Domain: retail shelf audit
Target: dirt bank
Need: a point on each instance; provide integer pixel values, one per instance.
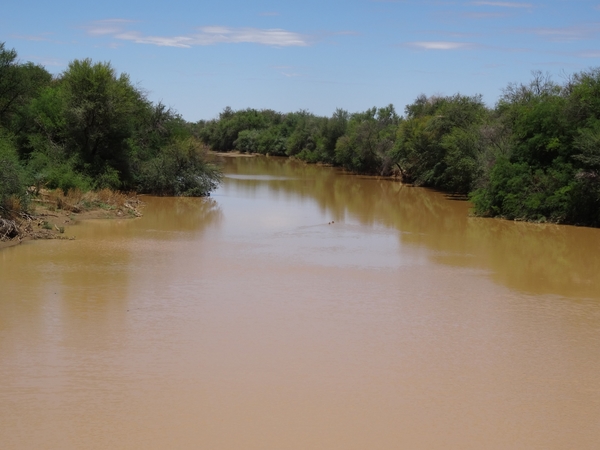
(51, 213)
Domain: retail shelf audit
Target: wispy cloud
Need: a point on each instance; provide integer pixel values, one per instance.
(484, 15)
(46, 61)
(449, 34)
(440, 45)
(287, 71)
(30, 37)
(213, 35)
(567, 34)
(590, 54)
(503, 4)
(41, 37)
(108, 26)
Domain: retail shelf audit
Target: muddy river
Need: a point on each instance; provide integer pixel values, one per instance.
(302, 308)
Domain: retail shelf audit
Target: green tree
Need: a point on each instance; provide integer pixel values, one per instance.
(370, 137)
(19, 83)
(439, 143)
(12, 178)
(100, 116)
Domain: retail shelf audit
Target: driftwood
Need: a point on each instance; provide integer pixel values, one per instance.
(133, 210)
(9, 229)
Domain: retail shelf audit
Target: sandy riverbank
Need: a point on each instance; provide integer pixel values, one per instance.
(51, 213)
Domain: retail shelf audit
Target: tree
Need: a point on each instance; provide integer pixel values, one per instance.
(100, 117)
(19, 83)
(439, 143)
(370, 138)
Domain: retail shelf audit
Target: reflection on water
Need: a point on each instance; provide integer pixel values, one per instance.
(534, 258)
(182, 215)
(302, 308)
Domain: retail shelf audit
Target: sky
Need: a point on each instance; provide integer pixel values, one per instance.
(199, 57)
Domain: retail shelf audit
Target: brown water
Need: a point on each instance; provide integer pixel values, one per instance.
(249, 322)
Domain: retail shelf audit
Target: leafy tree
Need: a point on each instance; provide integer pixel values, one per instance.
(19, 83)
(439, 143)
(370, 138)
(100, 116)
(12, 178)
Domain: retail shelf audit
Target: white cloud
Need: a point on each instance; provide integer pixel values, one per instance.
(503, 4)
(275, 37)
(440, 45)
(211, 35)
(138, 38)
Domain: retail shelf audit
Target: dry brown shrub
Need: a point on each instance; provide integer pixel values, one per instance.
(74, 196)
(105, 195)
(55, 197)
(13, 204)
(110, 197)
(76, 201)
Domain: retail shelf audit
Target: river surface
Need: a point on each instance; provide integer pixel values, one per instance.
(302, 308)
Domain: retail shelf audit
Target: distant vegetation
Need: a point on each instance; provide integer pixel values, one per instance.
(535, 156)
(90, 128)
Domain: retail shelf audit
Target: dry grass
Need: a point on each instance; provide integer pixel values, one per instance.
(19, 224)
(13, 205)
(109, 197)
(76, 201)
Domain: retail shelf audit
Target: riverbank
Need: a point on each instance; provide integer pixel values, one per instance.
(51, 213)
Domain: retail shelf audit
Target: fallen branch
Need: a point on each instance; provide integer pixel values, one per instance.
(8, 229)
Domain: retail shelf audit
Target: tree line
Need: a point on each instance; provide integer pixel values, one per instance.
(91, 128)
(534, 156)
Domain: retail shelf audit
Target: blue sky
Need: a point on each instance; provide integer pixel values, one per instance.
(199, 57)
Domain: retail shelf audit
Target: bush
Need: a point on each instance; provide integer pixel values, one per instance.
(64, 177)
(13, 193)
(181, 170)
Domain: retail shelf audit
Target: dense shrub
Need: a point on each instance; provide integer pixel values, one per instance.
(12, 179)
(91, 128)
(181, 170)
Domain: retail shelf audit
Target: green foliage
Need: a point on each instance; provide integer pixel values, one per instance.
(247, 141)
(100, 114)
(179, 170)
(12, 177)
(535, 156)
(222, 134)
(90, 128)
(370, 137)
(461, 148)
(552, 171)
(64, 176)
(439, 144)
(299, 134)
(18, 84)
